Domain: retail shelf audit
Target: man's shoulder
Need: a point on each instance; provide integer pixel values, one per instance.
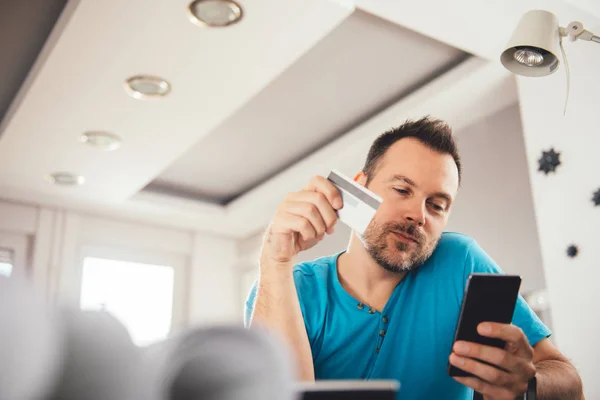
(317, 268)
(455, 243)
(464, 249)
(314, 280)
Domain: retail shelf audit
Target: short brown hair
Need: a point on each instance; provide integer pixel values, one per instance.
(433, 133)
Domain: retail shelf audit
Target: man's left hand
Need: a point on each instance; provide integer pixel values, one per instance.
(512, 366)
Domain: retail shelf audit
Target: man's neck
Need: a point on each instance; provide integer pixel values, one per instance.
(363, 278)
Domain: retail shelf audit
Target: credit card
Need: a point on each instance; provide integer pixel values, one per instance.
(360, 204)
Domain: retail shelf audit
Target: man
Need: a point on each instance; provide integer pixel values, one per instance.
(387, 306)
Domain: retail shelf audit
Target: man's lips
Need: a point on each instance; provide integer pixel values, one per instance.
(406, 238)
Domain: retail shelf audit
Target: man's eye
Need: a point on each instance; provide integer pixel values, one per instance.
(401, 191)
(437, 207)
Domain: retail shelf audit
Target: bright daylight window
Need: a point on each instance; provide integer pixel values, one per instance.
(139, 295)
(6, 262)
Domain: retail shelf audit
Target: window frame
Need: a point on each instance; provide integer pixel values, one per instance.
(18, 244)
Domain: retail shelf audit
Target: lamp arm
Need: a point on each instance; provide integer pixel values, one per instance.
(575, 31)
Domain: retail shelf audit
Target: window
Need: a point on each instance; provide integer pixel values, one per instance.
(139, 295)
(13, 254)
(6, 262)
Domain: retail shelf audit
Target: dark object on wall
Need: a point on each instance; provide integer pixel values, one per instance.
(596, 198)
(549, 161)
(572, 251)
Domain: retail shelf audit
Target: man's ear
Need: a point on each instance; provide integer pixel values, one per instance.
(361, 178)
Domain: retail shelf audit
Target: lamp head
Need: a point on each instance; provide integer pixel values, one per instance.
(534, 46)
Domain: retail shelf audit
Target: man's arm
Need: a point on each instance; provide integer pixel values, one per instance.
(301, 221)
(278, 309)
(556, 377)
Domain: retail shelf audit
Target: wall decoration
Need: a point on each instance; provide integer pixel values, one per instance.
(549, 161)
(596, 198)
(572, 251)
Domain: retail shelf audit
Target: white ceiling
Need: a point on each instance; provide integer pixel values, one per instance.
(99, 44)
(362, 66)
(218, 75)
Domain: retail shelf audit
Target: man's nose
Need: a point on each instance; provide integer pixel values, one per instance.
(415, 212)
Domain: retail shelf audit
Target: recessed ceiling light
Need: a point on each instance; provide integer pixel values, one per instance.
(65, 179)
(214, 13)
(101, 140)
(147, 87)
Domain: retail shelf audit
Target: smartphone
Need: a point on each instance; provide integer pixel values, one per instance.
(488, 298)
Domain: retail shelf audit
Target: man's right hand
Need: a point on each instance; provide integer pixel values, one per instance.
(301, 221)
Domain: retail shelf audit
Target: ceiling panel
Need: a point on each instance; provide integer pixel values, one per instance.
(79, 86)
(24, 28)
(361, 67)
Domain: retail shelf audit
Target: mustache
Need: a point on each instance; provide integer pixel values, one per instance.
(408, 229)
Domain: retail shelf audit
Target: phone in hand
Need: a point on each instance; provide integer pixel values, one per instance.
(488, 298)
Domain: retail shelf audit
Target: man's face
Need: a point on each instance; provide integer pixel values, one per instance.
(418, 186)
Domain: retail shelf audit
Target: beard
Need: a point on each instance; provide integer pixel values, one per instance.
(399, 257)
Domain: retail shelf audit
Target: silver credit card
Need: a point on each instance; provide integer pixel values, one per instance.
(360, 204)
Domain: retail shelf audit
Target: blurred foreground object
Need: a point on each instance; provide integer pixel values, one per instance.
(52, 353)
(220, 363)
(30, 342)
(100, 360)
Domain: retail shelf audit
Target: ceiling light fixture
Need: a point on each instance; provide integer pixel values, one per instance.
(101, 140)
(536, 42)
(214, 13)
(529, 57)
(65, 179)
(534, 47)
(147, 87)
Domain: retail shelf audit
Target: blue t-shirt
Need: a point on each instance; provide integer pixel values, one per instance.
(411, 339)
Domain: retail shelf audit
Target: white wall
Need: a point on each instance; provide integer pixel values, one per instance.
(214, 282)
(18, 218)
(206, 281)
(494, 204)
(565, 213)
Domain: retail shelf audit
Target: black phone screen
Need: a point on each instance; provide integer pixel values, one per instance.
(488, 298)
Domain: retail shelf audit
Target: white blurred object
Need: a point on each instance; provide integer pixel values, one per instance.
(30, 342)
(101, 362)
(220, 363)
(69, 354)
(538, 300)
